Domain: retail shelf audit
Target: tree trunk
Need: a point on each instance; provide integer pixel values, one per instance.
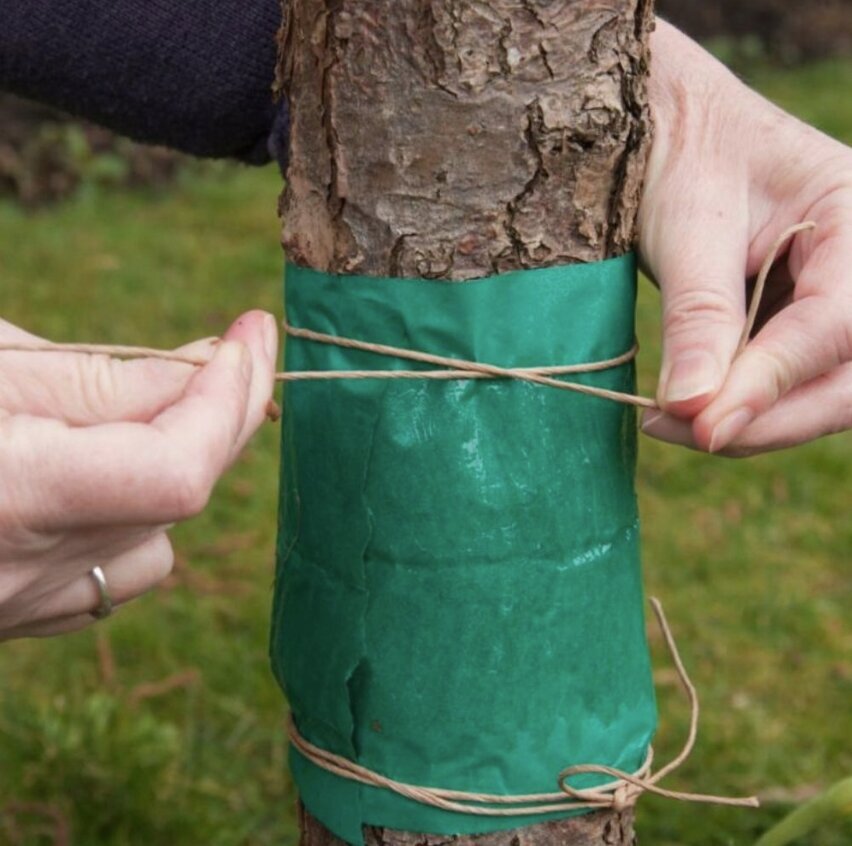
(453, 140)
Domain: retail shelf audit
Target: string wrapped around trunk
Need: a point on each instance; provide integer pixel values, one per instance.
(459, 600)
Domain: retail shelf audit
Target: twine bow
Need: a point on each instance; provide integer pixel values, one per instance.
(620, 793)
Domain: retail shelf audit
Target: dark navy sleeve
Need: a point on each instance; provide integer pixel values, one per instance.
(195, 75)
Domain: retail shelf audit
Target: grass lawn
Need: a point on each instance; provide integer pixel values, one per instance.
(165, 726)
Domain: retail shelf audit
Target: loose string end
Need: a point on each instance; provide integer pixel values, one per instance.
(620, 793)
(763, 275)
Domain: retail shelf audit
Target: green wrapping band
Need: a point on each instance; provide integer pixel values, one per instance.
(458, 598)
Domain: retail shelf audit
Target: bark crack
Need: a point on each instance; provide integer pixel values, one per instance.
(533, 134)
(397, 254)
(608, 27)
(628, 174)
(332, 57)
(529, 7)
(503, 58)
(433, 53)
(545, 59)
(284, 42)
(644, 20)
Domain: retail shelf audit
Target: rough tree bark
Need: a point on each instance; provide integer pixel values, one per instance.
(452, 140)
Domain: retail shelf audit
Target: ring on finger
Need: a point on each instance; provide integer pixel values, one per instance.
(105, 605)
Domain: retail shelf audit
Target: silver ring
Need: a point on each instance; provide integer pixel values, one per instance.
(104, 608)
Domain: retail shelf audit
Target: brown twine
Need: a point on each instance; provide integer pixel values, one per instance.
(626, 787)
(461, 369)
(618, 794)
(760, 283)
(454, 368)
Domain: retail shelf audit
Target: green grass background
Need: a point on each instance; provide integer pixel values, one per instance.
(165, 726)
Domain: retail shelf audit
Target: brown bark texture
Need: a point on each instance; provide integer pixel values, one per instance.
(449, 139)
(452, 139)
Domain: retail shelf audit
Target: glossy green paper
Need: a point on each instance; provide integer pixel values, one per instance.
(458, 598)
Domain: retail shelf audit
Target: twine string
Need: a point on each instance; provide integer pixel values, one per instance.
(618, 794)
(760, 282)
(111, 350)
(450, 368)
(636, 785)
(461, 368)
(625, 787)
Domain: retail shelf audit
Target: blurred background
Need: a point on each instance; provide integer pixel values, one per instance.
(164, 726)
(788, 32)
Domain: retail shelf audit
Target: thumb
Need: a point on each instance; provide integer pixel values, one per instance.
(82, 389)
(700, 267)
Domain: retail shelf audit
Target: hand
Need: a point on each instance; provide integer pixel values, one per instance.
(729, 172)
(99, 457)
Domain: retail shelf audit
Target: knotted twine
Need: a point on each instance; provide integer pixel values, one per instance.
(618, 794)
(454, 368)
(625, 788)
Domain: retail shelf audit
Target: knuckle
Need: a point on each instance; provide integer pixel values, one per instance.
(841, 168)
(24, 497)
(97, 382)
(689, 310)
(186, 490)
(800, 352)
(779, 367)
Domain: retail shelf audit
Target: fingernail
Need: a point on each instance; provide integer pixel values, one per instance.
(270, 336)
(729, 427)
(693, 374)
(664, 427)
(649, 418)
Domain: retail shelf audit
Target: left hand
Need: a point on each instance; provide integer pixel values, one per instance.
(729, 172)
(100, 457)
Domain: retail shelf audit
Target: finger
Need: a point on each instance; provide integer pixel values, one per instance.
(668, 428)
(700, 266)
(810, 337)
(127, 576)
(40, 565)
(803, 341)
(83, 389)
(10, 332)
(818, 408)
(50, 628)
(258, 330)
(57, 477)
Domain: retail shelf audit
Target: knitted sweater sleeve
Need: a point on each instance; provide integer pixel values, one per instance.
(195, 76)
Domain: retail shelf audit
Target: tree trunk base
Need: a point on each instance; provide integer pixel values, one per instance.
(608, 827)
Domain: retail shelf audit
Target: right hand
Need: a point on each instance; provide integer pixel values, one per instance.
(728, 173)
(100, 457)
